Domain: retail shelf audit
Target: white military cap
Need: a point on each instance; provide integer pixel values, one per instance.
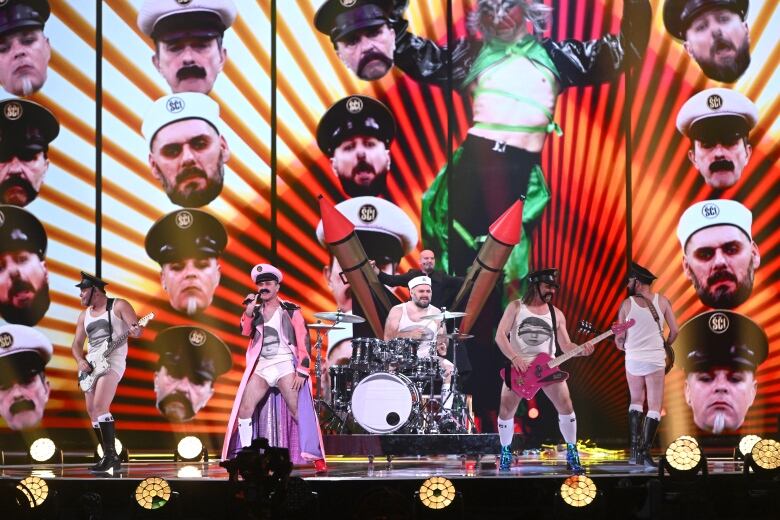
(15, 339)
(265, 272)
(170, 20)
(383, 228)
(177, 107)
(717, 111)
(419, 280)
(718, 212)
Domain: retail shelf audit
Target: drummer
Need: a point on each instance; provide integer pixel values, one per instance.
(415, 320)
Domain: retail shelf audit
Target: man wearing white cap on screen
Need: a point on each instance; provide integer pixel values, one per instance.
(187, 38)
(408, 320)
(24, 389)
(717, 121)
(719, 254)
(274, 397)
(187, 152)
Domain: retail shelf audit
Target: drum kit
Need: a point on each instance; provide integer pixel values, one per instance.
(389, 386)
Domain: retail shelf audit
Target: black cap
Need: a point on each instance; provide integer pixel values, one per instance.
(720, 338)
(20, 367)
(339, 18)
(185, 233)
(351, 116)
(87, 281)
(21, 231)
(192, 351)
(678, 14)
(25, 124)
(23, 14)
(723, 129)
(640, 273)
(549, 276)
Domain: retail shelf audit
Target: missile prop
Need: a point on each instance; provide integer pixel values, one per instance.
(344, 244)
(503, 235)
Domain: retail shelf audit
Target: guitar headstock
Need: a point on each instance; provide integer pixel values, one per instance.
(146, 319)
(586, 326)
(618, 328)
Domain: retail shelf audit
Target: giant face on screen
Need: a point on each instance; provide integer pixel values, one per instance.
(24, 388)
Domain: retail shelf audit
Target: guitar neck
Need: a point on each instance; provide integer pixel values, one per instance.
(114, 343)
(576, 350)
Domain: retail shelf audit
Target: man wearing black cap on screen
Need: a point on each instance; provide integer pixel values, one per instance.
(187, 244)
(103, 319)
(24, 50)
(26, 129)
(24, 279)
(361, 34)
(720, 352)
(714, 33)
(191, 359)
(356, 133)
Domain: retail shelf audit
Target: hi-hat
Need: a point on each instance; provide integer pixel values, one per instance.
(457, 336)
(339, 317)
(323, 326)
(446, 315)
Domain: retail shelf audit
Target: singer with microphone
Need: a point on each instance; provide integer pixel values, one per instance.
(274, 398)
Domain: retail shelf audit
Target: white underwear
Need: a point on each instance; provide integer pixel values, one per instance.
(273, 373)
(642, 368)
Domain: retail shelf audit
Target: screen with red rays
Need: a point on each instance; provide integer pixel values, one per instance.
(148, 208)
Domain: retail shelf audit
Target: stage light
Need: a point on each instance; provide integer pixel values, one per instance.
(44, 450)
(437, 493)
(745, 445)
(764, 457)
(35, 489)
(578, 491)
(118, 446)
(190, 449)
(153, 493)
(683, 458)
(189, 471)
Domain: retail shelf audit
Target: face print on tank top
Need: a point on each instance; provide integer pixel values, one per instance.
(97, 331)
(270, 342)
(534, 332)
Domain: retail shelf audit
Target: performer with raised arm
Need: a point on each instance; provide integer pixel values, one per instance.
(529, 327)
(277, 358)
(103, 319)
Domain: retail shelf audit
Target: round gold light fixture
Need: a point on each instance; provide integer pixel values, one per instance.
(766, 454)
(683, 454)
(35, 489)
(746, 444)
(578, 491)
(437, 493)
(153, 493)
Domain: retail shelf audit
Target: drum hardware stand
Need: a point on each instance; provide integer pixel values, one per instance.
(320, 405)
(459, 409)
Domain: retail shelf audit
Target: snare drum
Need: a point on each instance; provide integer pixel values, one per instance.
(367, 354)
(424, 368)
(403, 353)
(384, 402)
(342, 380)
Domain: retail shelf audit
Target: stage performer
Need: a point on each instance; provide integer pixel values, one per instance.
(103, 318)
(529, 327)
(277, 361)
(514, 78)
(443, 286)
(645, 358)
(410, 320)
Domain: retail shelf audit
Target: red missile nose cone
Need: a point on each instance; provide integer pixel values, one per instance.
(508, 228)
(335, 226)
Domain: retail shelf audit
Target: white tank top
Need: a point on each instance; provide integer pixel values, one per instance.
(276, 347)
(96, 327)
(430, 327)
(644, 341)
(532, 334)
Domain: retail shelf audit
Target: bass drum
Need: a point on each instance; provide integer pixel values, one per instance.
(384, 402)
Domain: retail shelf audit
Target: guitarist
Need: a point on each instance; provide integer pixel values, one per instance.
(103, 318)
(529, 327)
(645, 358)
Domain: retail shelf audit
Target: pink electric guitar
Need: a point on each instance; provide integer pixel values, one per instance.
(544, 370)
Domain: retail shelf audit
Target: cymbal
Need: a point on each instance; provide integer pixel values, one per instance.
(447, 315)
(340, 317)
(323, 326)
(457, 336)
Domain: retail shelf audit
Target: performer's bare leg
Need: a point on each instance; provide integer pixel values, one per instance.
(289, 395)
(254, 391)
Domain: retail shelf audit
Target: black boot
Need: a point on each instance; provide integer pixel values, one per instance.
(635, 429)
(110, 460)
(648, 435)
(95, 466)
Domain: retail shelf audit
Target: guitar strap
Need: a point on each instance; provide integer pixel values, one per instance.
(109, 306)
(654, 312)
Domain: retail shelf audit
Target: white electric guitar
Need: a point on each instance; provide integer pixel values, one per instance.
(97, 357)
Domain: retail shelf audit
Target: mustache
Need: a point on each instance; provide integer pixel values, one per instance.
(721, 164)
(24, 405)
(18, 285)
(722, 276)
(188, 173)
(18, 181)
(180, 398)
(371, 56)
(721, 43)
(265, 291)
(191, 72)
(363, 166)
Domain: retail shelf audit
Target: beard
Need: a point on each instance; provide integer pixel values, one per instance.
(730, 71)
(190, 197)
(31, 314)
(421, 304)
(176, 407)
(719, 424)
(28, 87)
(17, 181)
(192, 306)
(723, 297)
(377, 187)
